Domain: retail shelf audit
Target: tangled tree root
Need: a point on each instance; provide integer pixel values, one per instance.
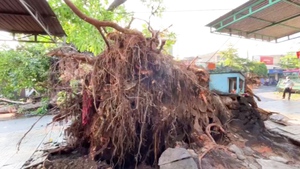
(132, 101)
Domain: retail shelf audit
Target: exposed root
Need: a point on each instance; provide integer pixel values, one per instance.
(207, 151)
(208, 130)
(20, 141)
(133, 101)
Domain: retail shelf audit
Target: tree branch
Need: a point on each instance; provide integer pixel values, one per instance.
(103, 36)
(128, 26)
(75, 55)
(115, 4)
(98, 23)
(12, 101)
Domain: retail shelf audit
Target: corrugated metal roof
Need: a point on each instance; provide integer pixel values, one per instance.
(15, 18)
(267, 20)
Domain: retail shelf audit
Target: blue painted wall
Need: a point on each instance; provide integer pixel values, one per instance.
(220, 82)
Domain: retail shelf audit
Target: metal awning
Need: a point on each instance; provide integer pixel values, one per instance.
(267, 20)
(33, 17)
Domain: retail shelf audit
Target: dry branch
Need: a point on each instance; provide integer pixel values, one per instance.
(23, 108)
(8, 109)
(20, 141)
(12, 101)
(115, 4)
(74, 55)
(103, 36)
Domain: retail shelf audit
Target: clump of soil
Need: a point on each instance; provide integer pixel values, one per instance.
(73, 160)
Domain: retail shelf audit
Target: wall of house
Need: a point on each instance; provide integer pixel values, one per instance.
(220, 82)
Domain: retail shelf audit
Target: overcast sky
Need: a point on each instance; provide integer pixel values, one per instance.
(189, 18)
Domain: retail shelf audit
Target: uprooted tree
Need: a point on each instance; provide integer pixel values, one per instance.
(132, 102)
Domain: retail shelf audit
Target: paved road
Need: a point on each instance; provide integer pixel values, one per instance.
(273, 101)
(11, 131)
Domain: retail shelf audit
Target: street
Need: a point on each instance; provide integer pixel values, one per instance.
(11, 131)
(272, 100)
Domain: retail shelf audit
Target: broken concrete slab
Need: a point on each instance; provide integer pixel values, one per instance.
(248, 151)
(239, 153)
(177, 158)
(182, 164)
(291, 129)
(173, 154)
(284, 120)
(291, 132)
(271, 164)
(279, 159)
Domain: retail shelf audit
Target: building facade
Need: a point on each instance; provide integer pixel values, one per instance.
(273, 65)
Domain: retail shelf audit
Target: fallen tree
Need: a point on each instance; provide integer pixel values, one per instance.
(134, 102)
(15, 108)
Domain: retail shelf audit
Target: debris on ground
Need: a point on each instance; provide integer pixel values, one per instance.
(133, 106)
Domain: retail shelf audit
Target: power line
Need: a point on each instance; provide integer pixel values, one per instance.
(179, 11)
(198, 10)
(219, 49)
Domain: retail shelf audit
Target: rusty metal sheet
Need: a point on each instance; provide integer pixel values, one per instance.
(16, 19)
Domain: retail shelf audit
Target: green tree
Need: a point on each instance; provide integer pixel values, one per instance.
(258, 68)
(82, 34)
(230, 58)
(24, 67)
(290, 60)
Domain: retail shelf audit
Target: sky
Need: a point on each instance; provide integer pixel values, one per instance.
(188, 19)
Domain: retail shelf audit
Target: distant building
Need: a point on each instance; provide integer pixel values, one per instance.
(272, 63)
(208, 61)
(227, 82)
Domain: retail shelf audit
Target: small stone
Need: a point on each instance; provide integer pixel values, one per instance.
(251, 166)
(248, 151)
(182, 164)
(233, 148)
(241, 157)
(192, 153)
(239, 153)
(234, 156)
(194, 156)
(279, 159)
(173, 154)
(270, 164)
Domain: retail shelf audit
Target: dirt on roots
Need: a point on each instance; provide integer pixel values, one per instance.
(133, 101)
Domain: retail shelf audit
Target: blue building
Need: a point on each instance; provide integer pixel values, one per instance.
(227, 82)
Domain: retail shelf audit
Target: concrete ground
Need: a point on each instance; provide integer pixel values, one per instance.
(11, 131)
(272, 100)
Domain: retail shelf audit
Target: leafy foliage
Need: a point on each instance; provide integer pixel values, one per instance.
(25, 67)
(289, 61)
(82, 34)
(230, 58)
(43, 109)
(258, 68)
